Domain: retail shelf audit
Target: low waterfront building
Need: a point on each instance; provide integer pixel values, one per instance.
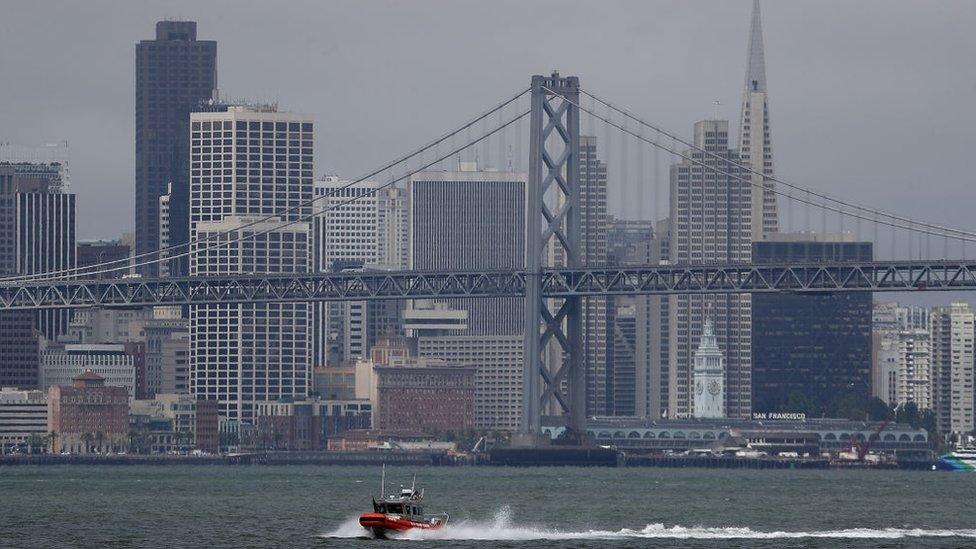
(780, 435)
(426, 395)
(88, 416)
(283, 425)
(360, 440)
(307, 424)
(174, 422)
(23, 419)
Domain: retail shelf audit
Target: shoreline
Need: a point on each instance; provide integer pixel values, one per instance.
(444, 460)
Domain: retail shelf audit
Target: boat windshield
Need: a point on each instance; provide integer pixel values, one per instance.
(395, 508)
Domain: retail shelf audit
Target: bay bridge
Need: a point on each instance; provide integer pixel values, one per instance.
(552, 290)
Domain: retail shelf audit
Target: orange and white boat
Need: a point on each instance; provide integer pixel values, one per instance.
(396, 514)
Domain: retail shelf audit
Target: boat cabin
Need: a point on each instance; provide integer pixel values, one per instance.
(409, 505)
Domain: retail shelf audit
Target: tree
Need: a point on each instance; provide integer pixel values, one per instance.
(878, 409)
(34, 441)
(87, 439)
(99, 439)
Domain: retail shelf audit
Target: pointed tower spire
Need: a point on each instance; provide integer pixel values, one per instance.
(755, 139)
(756, 68)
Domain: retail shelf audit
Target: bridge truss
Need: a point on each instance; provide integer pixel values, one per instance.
(560, 283)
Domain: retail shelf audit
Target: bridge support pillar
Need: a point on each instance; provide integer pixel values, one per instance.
(553, 375)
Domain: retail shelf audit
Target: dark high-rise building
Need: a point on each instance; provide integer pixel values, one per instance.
(93, 253)
(631, 382)
(808, 350)
(174, 73)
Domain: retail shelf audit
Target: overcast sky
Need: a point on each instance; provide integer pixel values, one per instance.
(871, 100)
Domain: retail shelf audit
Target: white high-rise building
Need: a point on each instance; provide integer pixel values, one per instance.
(903, 367)
(710, 222)
(359, 225)
(709, 376)
(247, 163)
(755, 140)
(952, 367)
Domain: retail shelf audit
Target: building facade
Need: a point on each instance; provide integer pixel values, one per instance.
(358, 226)
(470, 220)
(87, 416)
(37, 235)
(594, 228)
(810, 350)
(111, 362)
(952, 367)
(96, 252)
(23, 419)
(248, 162)
(426, 395)
(631, 242)
(174, 73)
(498, 379)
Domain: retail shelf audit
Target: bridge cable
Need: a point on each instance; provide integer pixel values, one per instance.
(957, 234)
(124, 263)
(938, 229)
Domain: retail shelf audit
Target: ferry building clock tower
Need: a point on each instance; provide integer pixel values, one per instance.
(709, 376)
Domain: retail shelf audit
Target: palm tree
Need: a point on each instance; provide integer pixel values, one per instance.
(34, 442)
(87, 439)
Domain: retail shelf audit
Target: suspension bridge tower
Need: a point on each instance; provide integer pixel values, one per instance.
(553, 328)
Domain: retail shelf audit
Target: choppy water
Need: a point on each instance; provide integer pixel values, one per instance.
(490, 507)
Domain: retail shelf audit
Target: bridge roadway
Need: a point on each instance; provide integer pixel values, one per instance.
(878, 276)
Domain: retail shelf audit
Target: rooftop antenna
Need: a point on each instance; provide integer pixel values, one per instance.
(716, 104)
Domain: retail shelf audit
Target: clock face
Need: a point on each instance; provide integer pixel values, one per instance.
(714, 387)
(699, 388)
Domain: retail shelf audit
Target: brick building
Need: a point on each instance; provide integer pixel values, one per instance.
(87, 416)
(426, 395)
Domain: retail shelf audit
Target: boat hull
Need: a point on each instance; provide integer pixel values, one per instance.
(953, 463)
(383, 526)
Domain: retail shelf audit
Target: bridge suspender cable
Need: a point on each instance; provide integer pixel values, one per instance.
(897, 221)
(911, 223)
(283, 225)
(125, 263)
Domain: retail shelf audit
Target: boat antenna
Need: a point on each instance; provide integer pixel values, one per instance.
(383, 482)
(413, 487)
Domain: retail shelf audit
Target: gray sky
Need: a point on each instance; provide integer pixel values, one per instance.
(871, 100)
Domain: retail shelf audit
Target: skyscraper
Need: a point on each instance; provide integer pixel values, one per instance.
(629, 357)
(37, 235)
(470, 220)
(710, 223)
(174, 73)
(810, 350)
(475, 220)
(248, 163)
(594, 223)
(357, 226)
(755, 140)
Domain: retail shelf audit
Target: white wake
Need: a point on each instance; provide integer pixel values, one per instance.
(502, 528)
